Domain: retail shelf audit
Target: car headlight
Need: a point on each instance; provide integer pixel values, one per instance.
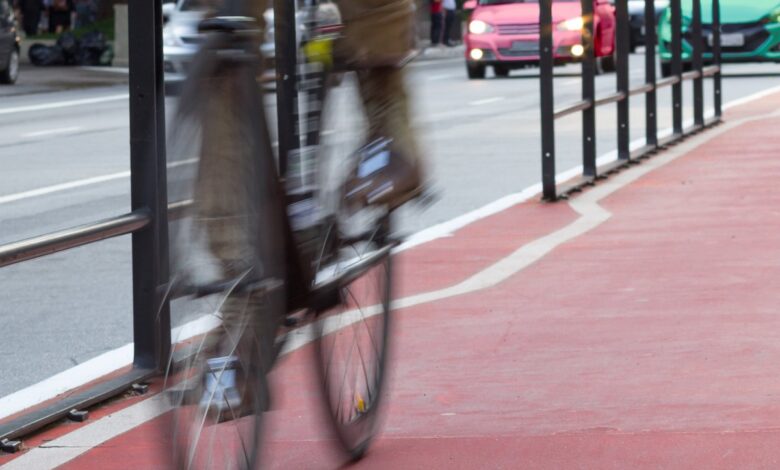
(479, 27)
(774, 17)
(572, 24)
(170, 38)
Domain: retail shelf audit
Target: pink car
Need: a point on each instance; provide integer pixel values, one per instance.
(505, 34)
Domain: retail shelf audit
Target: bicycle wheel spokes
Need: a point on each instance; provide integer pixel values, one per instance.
(215, 407)
(352, 348)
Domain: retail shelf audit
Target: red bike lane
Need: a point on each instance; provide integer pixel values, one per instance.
(634, 326)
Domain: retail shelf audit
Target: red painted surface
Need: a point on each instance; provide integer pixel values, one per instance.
(651, 341)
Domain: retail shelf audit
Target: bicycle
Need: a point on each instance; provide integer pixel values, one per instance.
(314, 264)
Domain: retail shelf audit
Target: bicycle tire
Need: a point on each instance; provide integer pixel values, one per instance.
(358, 326)
(359, 309)
(219, 393)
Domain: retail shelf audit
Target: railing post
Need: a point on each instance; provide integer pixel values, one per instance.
(651, 97)
(716, 59)
(547, 99)
(588, 92)
(677, 88)
(151, 320)
(286, 87)
(623, 41)
(698, 65)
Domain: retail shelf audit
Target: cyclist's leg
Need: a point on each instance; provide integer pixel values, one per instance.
(373, 24)
(228, 209)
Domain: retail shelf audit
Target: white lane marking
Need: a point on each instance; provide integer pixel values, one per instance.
(63, 449)
(77, 184)
(443, 76)
(119, 70)
(64, 104)
(486, 101)
(62, 130)
(46, 390)
(92, 369)
(76, 443)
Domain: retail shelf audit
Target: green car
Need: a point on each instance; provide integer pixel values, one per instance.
(750, 32)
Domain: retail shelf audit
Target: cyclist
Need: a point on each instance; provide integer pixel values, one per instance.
(378, 36)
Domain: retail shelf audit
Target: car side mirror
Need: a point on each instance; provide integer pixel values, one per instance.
(470, 5)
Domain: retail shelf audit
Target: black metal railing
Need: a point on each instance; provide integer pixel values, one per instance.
(147, 224)
(148, 221)
(621, 97)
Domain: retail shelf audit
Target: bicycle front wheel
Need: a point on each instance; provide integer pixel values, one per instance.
(227, 250)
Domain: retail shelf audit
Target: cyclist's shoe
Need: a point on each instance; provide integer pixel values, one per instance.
(225, 391)
(383, 177)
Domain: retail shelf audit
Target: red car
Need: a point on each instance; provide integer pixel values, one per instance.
(504, 34)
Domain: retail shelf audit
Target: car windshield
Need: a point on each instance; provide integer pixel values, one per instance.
(501, 2)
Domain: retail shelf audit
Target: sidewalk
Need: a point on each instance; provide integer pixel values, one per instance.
(34, 79)
(634, 326)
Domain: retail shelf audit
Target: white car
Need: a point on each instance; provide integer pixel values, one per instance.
(181, 38)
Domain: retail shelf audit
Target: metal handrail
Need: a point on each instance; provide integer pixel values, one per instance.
(668, 81)
(66, 239)
(611, 98)
(574, 108)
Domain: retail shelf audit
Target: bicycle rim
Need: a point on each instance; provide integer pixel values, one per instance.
(352, 349)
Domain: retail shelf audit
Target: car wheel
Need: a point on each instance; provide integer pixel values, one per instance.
(475, 71)
(666, 69)
(11, 71)
(501, 71)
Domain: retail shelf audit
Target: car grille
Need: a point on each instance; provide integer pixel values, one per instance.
(518, 28)
(521, 49)
(755, 35)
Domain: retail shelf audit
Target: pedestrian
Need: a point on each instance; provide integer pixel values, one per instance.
(450, 14)
(60, 12)
(31, 16)
(85, 13)
(436, 22)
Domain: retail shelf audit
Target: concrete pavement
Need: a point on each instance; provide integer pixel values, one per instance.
(634, 326)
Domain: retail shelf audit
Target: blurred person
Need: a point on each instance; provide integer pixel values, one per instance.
(436, 22)
(450, 14)
(377, 39)
(60, 12)
(85, 13)
(378, 36)
(31, 15)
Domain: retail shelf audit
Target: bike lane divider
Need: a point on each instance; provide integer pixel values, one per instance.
(452, 299)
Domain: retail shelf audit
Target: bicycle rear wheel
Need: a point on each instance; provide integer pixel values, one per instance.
(227, 248)
(353, 267)
(353, 334)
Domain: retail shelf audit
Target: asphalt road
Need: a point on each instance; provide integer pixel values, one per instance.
(69, 164)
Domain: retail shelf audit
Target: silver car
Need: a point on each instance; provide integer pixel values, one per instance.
(181, 38)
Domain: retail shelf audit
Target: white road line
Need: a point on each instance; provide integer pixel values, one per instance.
(443, 76)
(119, 70)
(76, 184)
(64, 104)
(486, 101)
(76, 443)
(63, 130)
(66, 448)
